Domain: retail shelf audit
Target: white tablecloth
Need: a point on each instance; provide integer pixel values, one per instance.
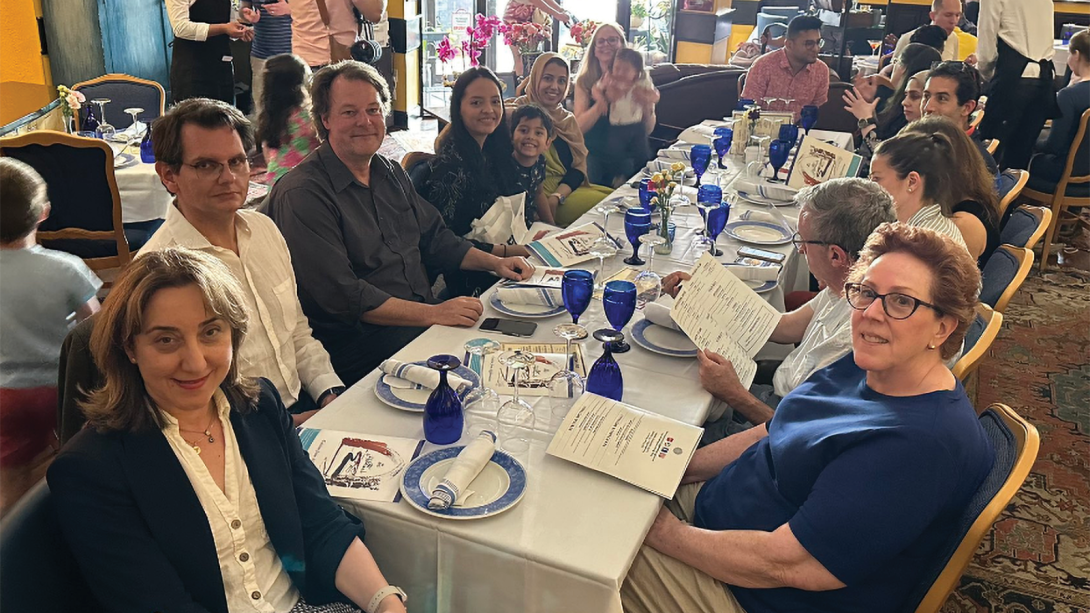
(1059, 56)
(143, 196)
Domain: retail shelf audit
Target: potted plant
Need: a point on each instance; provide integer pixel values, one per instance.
(639, 14)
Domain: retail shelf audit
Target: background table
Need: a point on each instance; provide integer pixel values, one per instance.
(143, 197)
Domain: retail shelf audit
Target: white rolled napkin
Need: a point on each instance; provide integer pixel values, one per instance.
(753, 273)
(539, 296)
(676, 154)
(752, 187)
(406, 375)
(463, 471)
(658, 313)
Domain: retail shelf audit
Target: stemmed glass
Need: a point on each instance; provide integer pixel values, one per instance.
(637, 222)
(646, 194)
(605, 209)
(700, 156)
(808, 117)
(577, 288)
(707, 196)
(619, 303)
(135, 112)
(605, 376)
(443, 419)
(603, 247)
(717, 221)
(790, 133)
(723, 139)
(481, 404)
(516, 416)
(874, 46)
(566, 386)
(744, 103)
(104, 130)
(777, 156)
(648, 282)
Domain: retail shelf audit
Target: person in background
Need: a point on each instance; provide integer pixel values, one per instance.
(835, 219)
(854, 489)
(197, 468)
(945, 14)
(953, 91)
(1050, 157)
(1015, 57)
(474, 166)
(794, 71)
(631, 97)
(918, 172)
(591, 106)
(45, 293)
(912, 105)
(976, 203)
(522, 11)
(310, 31)
(565, 190)
(200, 64)
(363, 242)
(285, 128)
(272, 36)
(531, 135)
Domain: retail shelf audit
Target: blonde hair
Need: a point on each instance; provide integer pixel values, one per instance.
(122, 403)
(591, 70)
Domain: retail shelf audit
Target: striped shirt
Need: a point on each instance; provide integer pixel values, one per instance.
(272, 34)
(931, 218)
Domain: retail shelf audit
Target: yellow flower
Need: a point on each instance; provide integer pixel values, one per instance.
(677, 167)
(672, 186)
(656, 178)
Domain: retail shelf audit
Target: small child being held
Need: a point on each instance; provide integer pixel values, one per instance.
(531, 133)
(45, 293)
(632, 98)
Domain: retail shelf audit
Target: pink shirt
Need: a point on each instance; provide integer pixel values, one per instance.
(771, 76)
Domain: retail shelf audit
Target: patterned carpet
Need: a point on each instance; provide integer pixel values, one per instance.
(1037, 558)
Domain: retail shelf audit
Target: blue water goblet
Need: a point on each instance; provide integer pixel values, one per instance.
(790, 133)
(637, 222)
(723, 139)
(605, 376)
(777, 156)
(619, 303)
(707, 197)
(700, 156)
(443, 420)
(808, 117)
(744, 103)
(577, 287)
(717, 221)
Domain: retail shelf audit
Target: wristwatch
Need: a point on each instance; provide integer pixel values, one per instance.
(869, 121)
(559, 197)
(383, 593)
(337, 391)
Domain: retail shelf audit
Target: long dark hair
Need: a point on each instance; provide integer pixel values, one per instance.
(284, 91)
(972, 179)
(931, 156)
(913, 59)
(495, 156)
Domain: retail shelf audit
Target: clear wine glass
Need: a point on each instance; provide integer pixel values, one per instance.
(567, 385)
(603, 247)
(605, 209)
(136, 129)
(648, 282)
(516, 416)
(104, 130)
(483, 403)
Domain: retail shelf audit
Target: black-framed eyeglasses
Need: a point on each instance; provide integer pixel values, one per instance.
(895, 304)
(208, 169)
(796, 240)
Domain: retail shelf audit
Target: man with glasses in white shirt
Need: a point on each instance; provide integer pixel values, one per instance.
(200, 152)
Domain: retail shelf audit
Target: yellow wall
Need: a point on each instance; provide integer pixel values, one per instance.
(19, 46)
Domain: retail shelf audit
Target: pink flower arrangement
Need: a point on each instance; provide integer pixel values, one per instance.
(526, 36)
(476, 42)
(71, 101)
(582, 31)
(445, 50)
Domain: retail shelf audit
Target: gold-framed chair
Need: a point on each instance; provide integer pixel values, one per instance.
(1014, 181)
(991, 145)
(976, 117)
(1003, 274)
(1059, 199)
(85, 215)
(1025, 226)
(1016, 443)
(978, 339)
(125, 91)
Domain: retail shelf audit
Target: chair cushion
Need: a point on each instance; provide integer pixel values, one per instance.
(123, 95)
(997, 276)
(1019, 227)
(972, 335)
(1077, 190)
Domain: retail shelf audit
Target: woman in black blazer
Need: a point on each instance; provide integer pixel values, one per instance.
(189, 491)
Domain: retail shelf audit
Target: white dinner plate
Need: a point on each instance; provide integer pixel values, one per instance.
(759, 199)
(529, 311)
(124, 160)
(662, 340)
(500, 485)
(413, 399)
(758, 233)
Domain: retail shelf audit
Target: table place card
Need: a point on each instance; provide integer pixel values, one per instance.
(567, 248)
(817, 161)
(360, 466)
(549, 359)
(647, 450)
(551, 277)
(718, 311)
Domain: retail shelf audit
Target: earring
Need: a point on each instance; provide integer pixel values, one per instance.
(931, 347)
(910, 189)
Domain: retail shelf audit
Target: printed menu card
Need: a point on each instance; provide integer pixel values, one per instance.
(718, 311)
(647, 450)
(566, 248)
(360, 466)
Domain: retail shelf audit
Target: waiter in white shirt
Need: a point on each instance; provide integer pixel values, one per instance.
(1014, 51)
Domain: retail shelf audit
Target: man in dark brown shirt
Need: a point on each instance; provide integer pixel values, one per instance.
(365, 246)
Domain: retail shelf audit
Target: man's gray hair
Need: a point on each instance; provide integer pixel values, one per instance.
(844, 212)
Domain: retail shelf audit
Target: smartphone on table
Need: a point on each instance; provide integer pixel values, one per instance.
(508, 327)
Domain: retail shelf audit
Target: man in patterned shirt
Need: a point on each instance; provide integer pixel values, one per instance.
(792, 72)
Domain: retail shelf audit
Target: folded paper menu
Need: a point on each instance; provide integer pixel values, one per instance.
(542, 288)
(818, 161)
(567, 248)
(719, 312)
(548, 360)
(360, 466)
(647, 450)
(465, 468)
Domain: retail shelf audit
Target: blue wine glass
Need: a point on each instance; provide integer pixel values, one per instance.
(619, 303)
(90, 122)
(790, 133)
(637, 222)
(443, 420)
(707, 198)
(605, 376)
(717, 220)
(808, 117)
(577, 288)
(743, 103)
(723, 139)
(700, 156)
(147, 149)
(777, 156)
(646, 194)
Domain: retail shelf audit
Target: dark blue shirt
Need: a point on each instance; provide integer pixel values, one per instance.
(870, 485)
(272, 35)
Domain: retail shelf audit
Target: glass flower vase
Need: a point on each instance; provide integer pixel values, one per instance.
(664, 231)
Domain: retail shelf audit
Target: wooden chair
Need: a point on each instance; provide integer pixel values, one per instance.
(975, 118)
(1013, 182)
(125, 91)
(85, 218)
(1026, 226)
(991, 145)
(415, 165)
(1062, 196)
(1016, 443)
(1003, 274)
(978, 339)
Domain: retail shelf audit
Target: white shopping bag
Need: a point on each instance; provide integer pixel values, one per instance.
(504, 223)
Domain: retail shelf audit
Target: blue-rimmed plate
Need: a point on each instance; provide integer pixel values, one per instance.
(499, 486)
(661, 340)
(758, 233)
(124, 160)
(758, 286)
(763, 200)
(530, 311)
(414, 398)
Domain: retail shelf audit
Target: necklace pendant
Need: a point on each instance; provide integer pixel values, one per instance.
(210, 439)
(197, 449)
